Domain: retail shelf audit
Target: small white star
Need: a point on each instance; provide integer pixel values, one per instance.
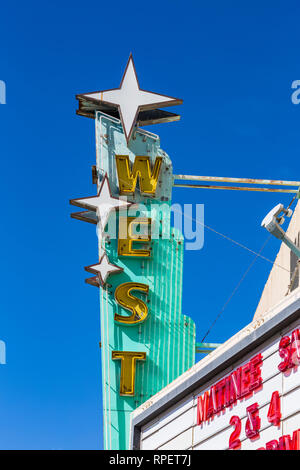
(103, 203)
(130, 99)
(103, 269)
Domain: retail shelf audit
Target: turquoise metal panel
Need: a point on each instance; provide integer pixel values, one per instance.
(167, 336)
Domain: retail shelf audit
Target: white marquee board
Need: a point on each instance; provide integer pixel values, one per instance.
(177, 429)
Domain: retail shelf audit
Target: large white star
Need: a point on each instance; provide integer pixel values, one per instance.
(103, 269)
(103, 203)
(130, 99)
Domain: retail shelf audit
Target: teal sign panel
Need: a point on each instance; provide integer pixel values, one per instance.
(167, 337)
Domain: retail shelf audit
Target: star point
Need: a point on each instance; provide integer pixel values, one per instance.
(103, 269)
(130, 100)
(104, 203)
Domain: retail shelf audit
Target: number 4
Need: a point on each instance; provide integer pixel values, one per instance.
(274, 413)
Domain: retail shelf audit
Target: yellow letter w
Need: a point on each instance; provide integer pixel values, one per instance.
(141, 168)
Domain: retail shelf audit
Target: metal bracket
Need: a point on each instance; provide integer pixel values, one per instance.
(206, 348)
(94, 174)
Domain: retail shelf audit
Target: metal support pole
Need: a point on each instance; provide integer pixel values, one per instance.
(237, 188)
(224, 179)
(206, 348)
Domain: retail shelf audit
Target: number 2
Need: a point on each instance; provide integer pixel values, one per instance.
(234, 441)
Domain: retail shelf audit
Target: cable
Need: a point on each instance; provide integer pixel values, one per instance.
(235, 289)
(235, 242)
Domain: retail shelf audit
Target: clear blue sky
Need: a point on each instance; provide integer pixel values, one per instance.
(233, 64)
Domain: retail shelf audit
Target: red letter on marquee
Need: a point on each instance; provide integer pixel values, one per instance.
(295, 348)
(255, 372)
(274, 413)
(272, 445)
(289, 351)
(245, 379)
(220, 395)
(202, 404)
(286, 443)
(227, 401)
(235, 385)
(284, 353)
(212, 402)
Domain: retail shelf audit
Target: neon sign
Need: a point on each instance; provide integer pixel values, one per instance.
(146, 342)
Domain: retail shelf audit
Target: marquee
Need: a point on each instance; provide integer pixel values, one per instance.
(246, 395)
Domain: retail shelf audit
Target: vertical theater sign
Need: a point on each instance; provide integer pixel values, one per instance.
(146, 342)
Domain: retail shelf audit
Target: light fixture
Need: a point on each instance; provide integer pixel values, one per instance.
(272, 222)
